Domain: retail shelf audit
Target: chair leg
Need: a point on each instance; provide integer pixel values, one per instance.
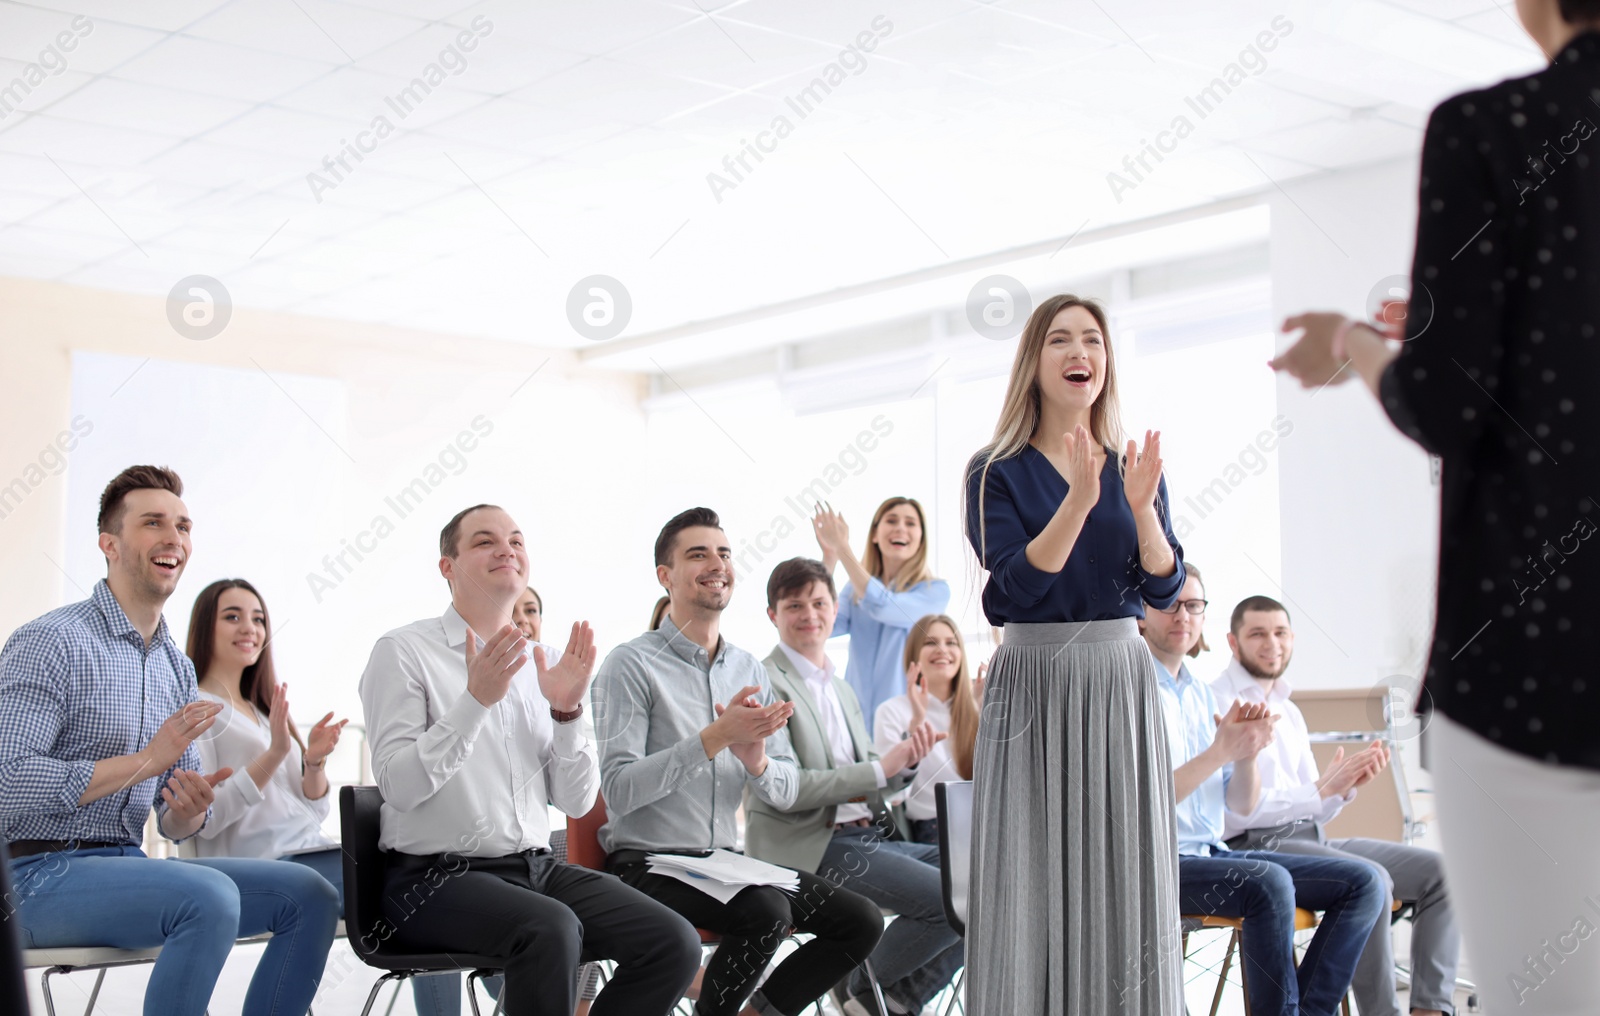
(1222, 978)
(877, 989)
(94, 995)
(44, 988)
(372, 996)
(955, 993)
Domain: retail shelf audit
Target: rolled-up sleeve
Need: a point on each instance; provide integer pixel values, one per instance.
(630, 775)
(410, 759)
(995, 530)
(1437, 390)
(35, 687)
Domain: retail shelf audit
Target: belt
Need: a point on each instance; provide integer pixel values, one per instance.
(24, 848)
(857, 824)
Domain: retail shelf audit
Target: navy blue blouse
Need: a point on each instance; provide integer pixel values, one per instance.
(1102, 579)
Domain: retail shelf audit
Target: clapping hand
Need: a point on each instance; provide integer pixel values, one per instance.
(1345, 775)
(188, 794)
(1244, 730)
(1083, 471)
(917, 694)
(490, 669)
(744, 725)
(832, 532)
(1141, 476)
(324, 737)
(564, 684)
(913, 748)
(177, 732)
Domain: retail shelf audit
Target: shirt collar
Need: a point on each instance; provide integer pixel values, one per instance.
(117, 619)
(685, 647)
(806, 669)
(1245, 686)
(455, 628)
(1167, 677)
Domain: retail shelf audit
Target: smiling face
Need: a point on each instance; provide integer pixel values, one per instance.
(491, 562)
(940, 654)
(804, 617)
(699, 574)
(528, 615)
(1264, 643)
(1176, 634)
(1072, 361)
(148, 552)
(898, 536)
(241, 630)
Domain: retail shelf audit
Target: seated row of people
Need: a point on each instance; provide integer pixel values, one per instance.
(470, 745)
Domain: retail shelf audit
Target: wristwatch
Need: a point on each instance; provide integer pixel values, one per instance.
(561, 717)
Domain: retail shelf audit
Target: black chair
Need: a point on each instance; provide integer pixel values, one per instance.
(954, 803)
(368, 931)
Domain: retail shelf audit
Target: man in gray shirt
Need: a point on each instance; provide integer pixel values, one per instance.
(685, 723)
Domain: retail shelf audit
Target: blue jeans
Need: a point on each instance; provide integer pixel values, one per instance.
(433, 994)
(1263, 888)
(919, 952)
(193, 909)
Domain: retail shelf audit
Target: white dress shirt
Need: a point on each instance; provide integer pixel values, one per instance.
(457, 775)
(893, 725)
(819, 682)
(1288, 770)
(251, 821)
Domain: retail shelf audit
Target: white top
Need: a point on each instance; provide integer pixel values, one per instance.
(246, 820)
(1288, 770)
(457, 775)
(892, 725)
(819, 682)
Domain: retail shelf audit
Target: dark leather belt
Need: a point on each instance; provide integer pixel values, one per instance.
(857, 824)
(24, 848)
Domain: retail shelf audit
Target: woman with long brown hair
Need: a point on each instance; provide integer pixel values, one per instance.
(938, 691)
(889, 587)
(274, 804)
(1074, 870)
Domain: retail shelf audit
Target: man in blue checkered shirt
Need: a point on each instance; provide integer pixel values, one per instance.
(99, 712)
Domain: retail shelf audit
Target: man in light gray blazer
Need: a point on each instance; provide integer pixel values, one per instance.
(838, 825)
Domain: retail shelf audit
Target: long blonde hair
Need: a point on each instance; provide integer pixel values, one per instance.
(915, 570)
(963, 702)
(1020, 412)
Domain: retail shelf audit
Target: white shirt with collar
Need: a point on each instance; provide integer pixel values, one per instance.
(456, 775)
(893, 724)
(251, 821)
(1288, 769)
(819, 682)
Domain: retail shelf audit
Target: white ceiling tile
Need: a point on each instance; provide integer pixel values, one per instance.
(28, 88)
(232, 71)
(53, 243)
(595, 27)
(63, 139)
(315, 29)
(116, 103)
(1335, 142)
(167, 16)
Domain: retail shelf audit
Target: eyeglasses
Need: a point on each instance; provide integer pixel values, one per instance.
(1192, 606)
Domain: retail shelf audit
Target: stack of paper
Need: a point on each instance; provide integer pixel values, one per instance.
(723, 874)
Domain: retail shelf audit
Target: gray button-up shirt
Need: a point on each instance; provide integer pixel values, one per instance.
(652, 697)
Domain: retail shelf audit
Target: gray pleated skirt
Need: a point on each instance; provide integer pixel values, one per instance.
(1074, 905)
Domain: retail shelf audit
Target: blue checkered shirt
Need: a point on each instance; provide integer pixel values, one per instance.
(76, 686)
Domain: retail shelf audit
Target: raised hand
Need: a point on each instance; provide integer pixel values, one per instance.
(744, 724)
(490, 669)
(1141, 477)
(188, 794)
(979, 681)
(564, 684)
(324, 737)
(177, 732)
(1083, 468)
(832, 532)
(278, 722)
(1310, 360)
(917, 694)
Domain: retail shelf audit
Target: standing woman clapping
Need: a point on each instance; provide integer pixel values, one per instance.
(1074, 870)
(888, 589)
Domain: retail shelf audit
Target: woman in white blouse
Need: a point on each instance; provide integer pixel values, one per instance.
(938, 690)
(275, 802)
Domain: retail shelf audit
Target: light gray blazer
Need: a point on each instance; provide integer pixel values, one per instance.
(797, 838)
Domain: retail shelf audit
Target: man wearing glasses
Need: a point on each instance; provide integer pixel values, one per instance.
(1214, 759)
(1296, 801)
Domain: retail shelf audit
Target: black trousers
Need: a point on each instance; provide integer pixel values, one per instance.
(544, 918)
(753, 924)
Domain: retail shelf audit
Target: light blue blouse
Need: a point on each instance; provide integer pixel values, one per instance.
(877, 627)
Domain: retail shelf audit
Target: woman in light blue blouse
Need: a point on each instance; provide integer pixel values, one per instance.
(886, 593)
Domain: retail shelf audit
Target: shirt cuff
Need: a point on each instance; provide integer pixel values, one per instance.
(245, 786)
(79, 776)
(567, 740)
(877, 770)
(1020, 576)
(467, 716)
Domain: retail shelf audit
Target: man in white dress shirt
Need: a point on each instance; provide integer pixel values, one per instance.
(1297, 801)
(469, 749)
